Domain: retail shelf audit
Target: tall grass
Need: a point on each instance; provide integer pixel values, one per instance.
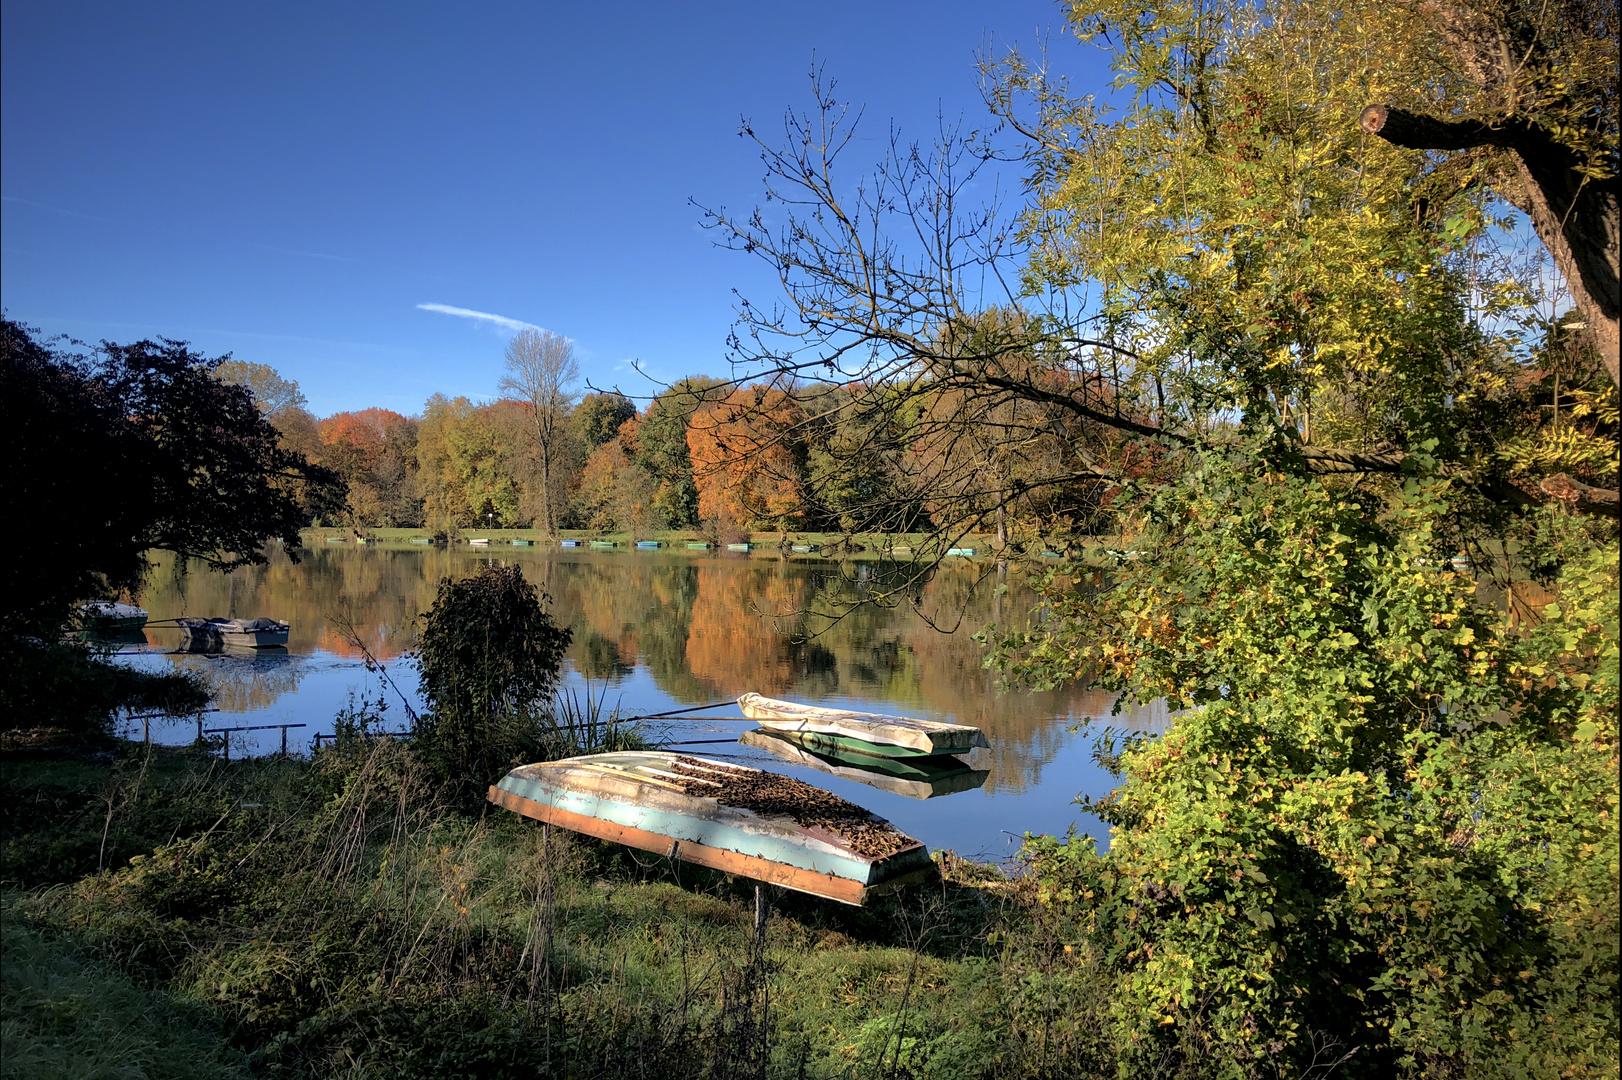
(342, 916)
(67, 1016)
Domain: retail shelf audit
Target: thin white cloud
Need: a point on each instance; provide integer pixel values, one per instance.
(484, 316)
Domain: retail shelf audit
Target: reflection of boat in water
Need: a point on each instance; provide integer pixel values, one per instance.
(914, 777)
(837, 731)
(212, 634)
(727, 817)
(110, 617)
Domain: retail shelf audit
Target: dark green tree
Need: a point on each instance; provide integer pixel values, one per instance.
(598, 418)
(127, 448)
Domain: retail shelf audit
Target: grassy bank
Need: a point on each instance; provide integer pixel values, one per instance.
(305, 918)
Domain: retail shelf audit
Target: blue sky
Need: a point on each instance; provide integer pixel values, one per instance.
(290, 183)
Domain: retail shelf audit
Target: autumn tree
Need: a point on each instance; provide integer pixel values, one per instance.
(375, 450)
(746, 460)
(616, 491)
(465, 458)
(662, 447)
(541, 369)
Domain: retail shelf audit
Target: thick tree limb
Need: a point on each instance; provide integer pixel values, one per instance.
(1580, 496)
(1576, 216)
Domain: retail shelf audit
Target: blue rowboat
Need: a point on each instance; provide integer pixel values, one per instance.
(603, 544)
(569, 543)
(422, 540)
(697, 810)
(804, 549)
(523, 543)
(836, 731)
(967, 553)
(740, 547)
(698, 545)
(648, 545)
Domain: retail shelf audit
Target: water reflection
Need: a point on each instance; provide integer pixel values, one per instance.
(664, 630)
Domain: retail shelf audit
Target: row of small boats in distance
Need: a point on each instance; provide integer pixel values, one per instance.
(755, 823)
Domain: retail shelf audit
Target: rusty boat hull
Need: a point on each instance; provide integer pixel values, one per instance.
(638, 799)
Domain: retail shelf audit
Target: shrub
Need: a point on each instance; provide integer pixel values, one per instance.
(489, 657)
(65, 686)
(1386, 828)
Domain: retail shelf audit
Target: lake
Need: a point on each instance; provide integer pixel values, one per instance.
(661, 630)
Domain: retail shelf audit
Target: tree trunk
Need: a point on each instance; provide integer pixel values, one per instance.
(546, 489)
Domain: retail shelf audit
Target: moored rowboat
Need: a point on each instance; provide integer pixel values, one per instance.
(914, 777)
(727, 817)
(109, 616)
(874, 734)
(210, 633)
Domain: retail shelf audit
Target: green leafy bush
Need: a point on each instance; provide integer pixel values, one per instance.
(1387, 829)
(489, 657)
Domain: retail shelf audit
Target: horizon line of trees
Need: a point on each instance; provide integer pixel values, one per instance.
(703, 454)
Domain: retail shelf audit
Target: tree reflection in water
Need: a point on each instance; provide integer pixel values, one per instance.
(701, 627)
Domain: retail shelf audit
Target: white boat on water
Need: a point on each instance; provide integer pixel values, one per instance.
(482, 541)
(836, 731)
(110, 615)
(209, 633)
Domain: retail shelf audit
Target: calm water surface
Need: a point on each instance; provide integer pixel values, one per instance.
(662, 630)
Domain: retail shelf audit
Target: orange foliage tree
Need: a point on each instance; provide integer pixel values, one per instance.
(375, 451)
(747, 459)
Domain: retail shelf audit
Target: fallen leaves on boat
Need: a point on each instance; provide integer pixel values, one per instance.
(769, 794)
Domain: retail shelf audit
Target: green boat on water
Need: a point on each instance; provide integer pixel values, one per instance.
(843, 731)
(913, 777)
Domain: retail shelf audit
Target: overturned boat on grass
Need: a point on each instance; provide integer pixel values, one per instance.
(727, 817)
(838, 731)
